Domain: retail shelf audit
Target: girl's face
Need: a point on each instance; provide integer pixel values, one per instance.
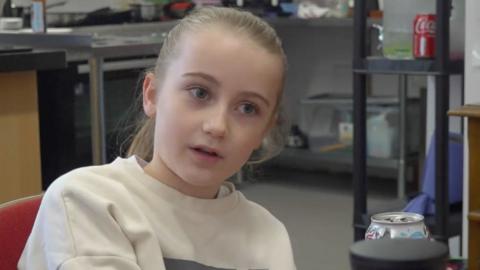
(213, 108)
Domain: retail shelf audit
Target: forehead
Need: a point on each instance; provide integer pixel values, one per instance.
(233, 58)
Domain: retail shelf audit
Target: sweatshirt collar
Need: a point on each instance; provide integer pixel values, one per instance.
(226, 200)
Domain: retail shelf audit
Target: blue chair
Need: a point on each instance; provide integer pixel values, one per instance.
(424, 203)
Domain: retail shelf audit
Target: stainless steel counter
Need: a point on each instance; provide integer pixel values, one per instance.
(127, 39)
(109, 41)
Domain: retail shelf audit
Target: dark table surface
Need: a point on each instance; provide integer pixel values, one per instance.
(16, 58)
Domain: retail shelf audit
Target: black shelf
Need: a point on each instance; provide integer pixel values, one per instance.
(382, 65)
(441, 67)
(339, 160)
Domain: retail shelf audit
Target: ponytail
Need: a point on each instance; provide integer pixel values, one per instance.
(142, 142)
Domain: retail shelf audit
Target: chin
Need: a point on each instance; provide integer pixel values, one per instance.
(200, 179)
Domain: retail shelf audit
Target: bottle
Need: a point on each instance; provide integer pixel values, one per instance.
(39, 16)
(381, 137)
(272, 8)
(398, 17)
(338, 8)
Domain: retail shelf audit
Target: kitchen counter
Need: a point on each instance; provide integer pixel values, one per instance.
(108, 41)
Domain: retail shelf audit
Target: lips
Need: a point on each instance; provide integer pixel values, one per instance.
(205, 150)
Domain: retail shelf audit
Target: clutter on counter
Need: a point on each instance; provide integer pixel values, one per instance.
(69, 13)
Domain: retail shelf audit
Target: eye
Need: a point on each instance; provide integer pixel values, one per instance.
(248, 109)
(199, 93)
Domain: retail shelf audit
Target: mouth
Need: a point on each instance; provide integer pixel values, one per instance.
(206, 151)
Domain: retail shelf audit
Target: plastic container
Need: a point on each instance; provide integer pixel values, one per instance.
(338, 8)
(328, 123)
(381, 136)
(398, 16)
(398, 26)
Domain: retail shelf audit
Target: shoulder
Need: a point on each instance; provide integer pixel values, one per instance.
(269, 235)
(92, 181)
(262, 220)
(100, 191)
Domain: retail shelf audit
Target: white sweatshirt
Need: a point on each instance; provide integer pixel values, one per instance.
(116, 216)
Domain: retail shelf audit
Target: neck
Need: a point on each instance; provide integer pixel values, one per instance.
(159, 171)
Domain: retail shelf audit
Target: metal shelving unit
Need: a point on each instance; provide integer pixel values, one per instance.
(382, 65)
(394, 166)
(441, 67)
(338, 161)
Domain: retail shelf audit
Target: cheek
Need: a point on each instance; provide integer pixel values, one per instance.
(170, 122)
(244, 150)
(249, 141)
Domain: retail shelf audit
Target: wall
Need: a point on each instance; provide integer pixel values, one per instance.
(472, 93)
(19, 139)
(320, 61)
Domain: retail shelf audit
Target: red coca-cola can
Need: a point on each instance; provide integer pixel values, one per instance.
(424, 36)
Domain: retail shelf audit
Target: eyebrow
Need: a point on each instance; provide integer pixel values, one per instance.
(215, 81)
(253, 94)
(203, 76)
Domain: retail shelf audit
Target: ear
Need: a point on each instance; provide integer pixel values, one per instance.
(149, 95)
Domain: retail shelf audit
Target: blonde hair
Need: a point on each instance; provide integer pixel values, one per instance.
(235, 20)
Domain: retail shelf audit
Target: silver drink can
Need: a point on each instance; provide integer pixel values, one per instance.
(397, 225)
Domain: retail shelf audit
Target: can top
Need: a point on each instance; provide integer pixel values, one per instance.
(397, 218)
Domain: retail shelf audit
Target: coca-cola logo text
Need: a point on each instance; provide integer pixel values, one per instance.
(425, 25)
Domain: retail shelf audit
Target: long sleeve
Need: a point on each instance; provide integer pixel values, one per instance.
(282, 254)
(80, 229)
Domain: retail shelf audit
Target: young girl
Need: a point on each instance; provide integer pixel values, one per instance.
(211, 102)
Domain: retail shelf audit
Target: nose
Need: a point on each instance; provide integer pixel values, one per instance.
(216, 123)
